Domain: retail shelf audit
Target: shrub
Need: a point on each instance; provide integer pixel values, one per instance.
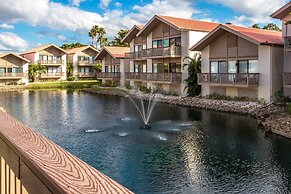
(280, 97)
(71, 78)
(216, 96)
(288, 108)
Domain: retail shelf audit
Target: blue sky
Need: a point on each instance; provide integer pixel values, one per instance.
(25, 23)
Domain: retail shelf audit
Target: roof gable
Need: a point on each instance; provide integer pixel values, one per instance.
(43, 47)
(180, 24)
(15, 55)
(282, 12)
(81, 49)
(256, 36)
(132, 33)
(115, 52)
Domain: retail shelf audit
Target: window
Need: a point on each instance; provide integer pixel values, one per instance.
(2, 70)
(155, 68)
(175, 41)
(231, 67)
(178, 41)
(137, 48)
(253, 66)
(243, 66)
(175, 67)
(214, 67)
(222, 67)
(166, 43)
(160, 43)
(17, 70)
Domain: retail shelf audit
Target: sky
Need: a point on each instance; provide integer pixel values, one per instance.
(25, 24)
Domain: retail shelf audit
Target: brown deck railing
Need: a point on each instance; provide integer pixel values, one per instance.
(287, 78)
(86, 63)
(86, 74)
(240, 79)
(162, 77)
(169, 51)
(137, 55)
(12, 75)
(51, 74)
(107, 75)
(50, 62)
(30, 163)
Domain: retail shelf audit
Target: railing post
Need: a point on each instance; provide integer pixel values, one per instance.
(248, 78)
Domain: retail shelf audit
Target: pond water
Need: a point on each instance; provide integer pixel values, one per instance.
(186, 151)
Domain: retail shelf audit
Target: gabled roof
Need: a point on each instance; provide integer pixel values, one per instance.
(16, 55)
(132, 33)
(177, 23)
(282, 12)
(42, 47)
(256, 36)
(114, 51)
(80, 49)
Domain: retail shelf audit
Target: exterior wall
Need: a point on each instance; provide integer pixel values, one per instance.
(277, 69)
(64, 67)
(286, 30)
(205, 89)
(122, 72)
(264, 90)
(29, 56)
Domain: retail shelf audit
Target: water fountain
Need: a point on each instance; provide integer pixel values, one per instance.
(144, 111)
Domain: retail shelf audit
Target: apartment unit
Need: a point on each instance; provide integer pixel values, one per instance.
(114, 65)
(284, 14)
(13, 68)
(240, 61)
(82, 59)
(52, 57)
(157, 51)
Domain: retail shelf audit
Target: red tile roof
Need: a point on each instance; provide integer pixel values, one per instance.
(188, 24)
(114, 51)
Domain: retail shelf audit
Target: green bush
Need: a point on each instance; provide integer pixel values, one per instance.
(280, 97)
(216, 96)
(144, 89)
(288, 108)
(71, 78)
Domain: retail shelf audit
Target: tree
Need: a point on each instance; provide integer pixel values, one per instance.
(35, 71)
(91, 35)
(70, 68)
(117, 39)
(256, 26)
(94, 30)
(72, 45)
(194, 67)
(100, 36)
(272, 26)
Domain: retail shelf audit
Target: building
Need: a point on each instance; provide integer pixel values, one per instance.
(83, 61)
(284, 14)
(157, 51)
(240, 61)
(114, 65)
(52, 57)
(13, 68)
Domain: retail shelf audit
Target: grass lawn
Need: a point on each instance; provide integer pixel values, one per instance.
(64, 84)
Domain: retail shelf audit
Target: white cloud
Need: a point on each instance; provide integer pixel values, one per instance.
(251, 11)
(11, 42)
(76, 2)
(6, 26)
(117, 4)
(61, 37)
(105, 3)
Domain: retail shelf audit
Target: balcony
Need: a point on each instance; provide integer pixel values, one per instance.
(112, 62)
(51, 62)
(11, 75)
(287, 44)
(52, 75)
(107, 75)
(137, 55)
(158, 77)
(86, 63)
(165, 52)
(229, 79)
(86, 74)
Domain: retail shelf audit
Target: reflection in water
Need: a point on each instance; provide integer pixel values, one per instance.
(186, 151)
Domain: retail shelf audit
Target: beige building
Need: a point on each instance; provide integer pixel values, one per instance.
(284, 14)
(52, 57)
(13, 68)
(240, 61)
(114, 65)
(157, 51)
(82, 59)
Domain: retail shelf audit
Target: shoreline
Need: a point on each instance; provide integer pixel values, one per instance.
(272, 118)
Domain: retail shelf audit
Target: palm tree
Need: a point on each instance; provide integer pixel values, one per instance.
(91, 35)
(194, 67)
(35, 71)
(95, 31)
(101, 32)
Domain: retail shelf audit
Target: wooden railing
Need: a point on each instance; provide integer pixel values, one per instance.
(112, 62)
(169, 51)
(50, 62)
(243, 79)
(30, 163)
(13, 75)
(86, 74)
(52, 74)
(111, 75)
(287, 78)
(86, 63)
(163, 77)
(137, 55)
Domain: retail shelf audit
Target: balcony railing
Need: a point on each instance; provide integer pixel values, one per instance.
(137, 55)
(238, 79)
(112, 62)
(287, 43)
(287, 78)
(30, 163)
(11, 75)
(107, 75)
(160, 77)
(51, 62)
(86, 74)
(86, 63)
(52, 74)
(165, 52)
